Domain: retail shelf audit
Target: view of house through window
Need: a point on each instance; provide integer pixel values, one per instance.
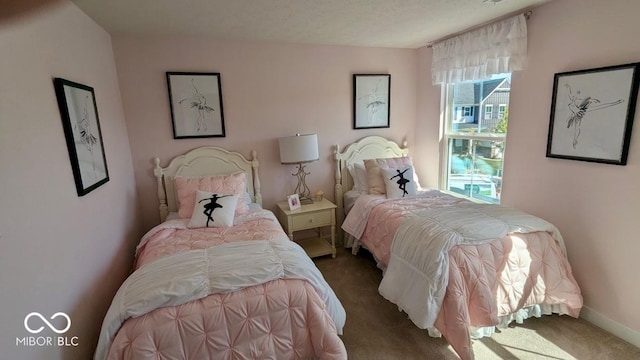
(476, 117)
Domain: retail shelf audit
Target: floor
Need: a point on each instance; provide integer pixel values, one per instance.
(375, 329)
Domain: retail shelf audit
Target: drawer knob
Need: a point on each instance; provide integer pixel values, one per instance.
(310, 220)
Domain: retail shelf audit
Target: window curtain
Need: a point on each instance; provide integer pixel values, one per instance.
(497, 48)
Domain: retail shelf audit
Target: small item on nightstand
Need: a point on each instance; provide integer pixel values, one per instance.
(294, 201)
(319, 195)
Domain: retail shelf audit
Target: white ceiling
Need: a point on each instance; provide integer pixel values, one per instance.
(377, 23)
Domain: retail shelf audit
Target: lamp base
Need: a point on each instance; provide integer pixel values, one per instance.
(302, 189)
(305, 200)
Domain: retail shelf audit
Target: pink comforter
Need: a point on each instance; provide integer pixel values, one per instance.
(167, 240)
(385, 218)
(487, 282)
(281, 319)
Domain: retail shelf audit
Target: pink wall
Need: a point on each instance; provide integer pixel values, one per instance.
(595, 206)
(58, 251)
(269, 90)
(426, 152)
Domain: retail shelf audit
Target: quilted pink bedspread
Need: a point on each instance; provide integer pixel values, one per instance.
(167, 241)
(486, 281)
(385, 218)
(281, 319)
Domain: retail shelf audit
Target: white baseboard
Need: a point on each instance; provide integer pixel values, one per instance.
(614, 327)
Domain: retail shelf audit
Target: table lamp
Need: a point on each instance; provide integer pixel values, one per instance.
(300, 149)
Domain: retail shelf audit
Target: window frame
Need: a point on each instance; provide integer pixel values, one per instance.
(501, 113)
(490, 113)
(447, 136)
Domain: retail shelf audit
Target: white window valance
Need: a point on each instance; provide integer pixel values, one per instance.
(497, 48)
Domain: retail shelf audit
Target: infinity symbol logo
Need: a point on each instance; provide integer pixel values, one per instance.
(26, 322)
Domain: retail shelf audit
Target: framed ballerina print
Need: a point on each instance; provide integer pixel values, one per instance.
(371, 100)
(81, 126)
(592, 114)
(196, 104)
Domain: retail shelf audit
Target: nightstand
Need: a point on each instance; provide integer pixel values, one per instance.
(312, 216)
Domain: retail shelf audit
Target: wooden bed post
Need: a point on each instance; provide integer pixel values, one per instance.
(338, 193)
(256, 178)
(162, 196)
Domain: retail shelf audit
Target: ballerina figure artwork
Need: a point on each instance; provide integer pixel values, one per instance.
(579, 107)
(373, 103)
(402, 181)
(86, 135)
(211, 206)
(199, 102)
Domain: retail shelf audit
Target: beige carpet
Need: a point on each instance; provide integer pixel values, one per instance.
(375, 329)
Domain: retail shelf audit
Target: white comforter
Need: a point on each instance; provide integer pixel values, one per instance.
(417, 274)
(191, 275)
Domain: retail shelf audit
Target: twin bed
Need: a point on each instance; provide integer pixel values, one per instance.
(456, 267)
(245, 291)
(226, 292)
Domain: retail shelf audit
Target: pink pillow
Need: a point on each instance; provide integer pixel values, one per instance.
(223, 184)
(374, 171)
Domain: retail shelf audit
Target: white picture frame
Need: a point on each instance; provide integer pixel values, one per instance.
(294, 202)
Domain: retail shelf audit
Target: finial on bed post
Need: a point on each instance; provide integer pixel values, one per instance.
(162, 196)
(404, 143)
(338, 196)
(256, 178)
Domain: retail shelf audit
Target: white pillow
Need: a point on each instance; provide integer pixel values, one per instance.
(247, 198)
(213, 210)
(359, 176)
(399, 182)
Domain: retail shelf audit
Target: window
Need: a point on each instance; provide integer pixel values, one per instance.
(502, 109)
(488, 111)
(463, 114)
(474, 145)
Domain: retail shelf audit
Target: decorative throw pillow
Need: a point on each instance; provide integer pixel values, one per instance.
(374, 171)
(213, 210)
(399, 182)
(186, 188)
(359, 176)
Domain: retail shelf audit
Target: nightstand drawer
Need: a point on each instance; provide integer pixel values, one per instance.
(312, 220)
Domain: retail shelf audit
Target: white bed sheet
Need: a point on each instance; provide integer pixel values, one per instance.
(350, 198)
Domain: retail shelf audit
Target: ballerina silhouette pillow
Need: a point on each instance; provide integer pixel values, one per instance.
(213, 210)
(374, 172)
(399, 182)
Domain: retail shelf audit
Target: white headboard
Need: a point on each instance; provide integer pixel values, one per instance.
(204, 161)
(370, 147)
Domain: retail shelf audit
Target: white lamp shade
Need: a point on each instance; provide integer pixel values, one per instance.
(299, 149)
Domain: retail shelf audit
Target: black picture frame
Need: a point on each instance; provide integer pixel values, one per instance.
(195, 99)
(592, 113)
(371, 101)
(79, 113)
